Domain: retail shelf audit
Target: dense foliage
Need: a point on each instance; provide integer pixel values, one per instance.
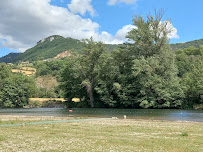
(15, 89)
(48, 68)
(149, 76)
(190, 66)
(145, 73)
(82, 76)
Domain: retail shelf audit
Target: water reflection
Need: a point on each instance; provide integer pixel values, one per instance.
(157, 114)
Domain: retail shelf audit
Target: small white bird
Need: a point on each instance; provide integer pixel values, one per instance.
(124, 116)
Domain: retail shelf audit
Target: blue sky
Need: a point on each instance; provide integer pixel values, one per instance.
(22, 26)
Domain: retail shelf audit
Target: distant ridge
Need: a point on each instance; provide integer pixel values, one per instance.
(195, 43)
(53, 46)
(9, 58)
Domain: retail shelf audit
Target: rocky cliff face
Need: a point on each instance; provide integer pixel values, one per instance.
(63, 54)
(51, 38)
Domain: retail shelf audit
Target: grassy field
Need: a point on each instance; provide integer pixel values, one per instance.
(45, 102)
(103, 135)
(29, 71)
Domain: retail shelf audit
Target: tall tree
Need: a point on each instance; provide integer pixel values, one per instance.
(151, 80)
(107, 87)
(84, 70)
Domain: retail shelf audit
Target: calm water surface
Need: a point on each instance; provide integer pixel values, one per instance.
(156, 114)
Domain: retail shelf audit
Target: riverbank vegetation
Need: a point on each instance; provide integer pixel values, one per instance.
(103, 135)
(145, 73)
(15, 89)
(142, 73)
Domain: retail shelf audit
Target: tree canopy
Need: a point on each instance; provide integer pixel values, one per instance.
(141, 73)
(15, 89)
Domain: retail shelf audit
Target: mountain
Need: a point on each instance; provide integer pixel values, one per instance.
(195, 43)
(49, 48)
(9, 58)
(52, 46)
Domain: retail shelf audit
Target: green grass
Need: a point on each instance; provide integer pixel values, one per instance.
(2, 138)
(105, 135)
(184, 134)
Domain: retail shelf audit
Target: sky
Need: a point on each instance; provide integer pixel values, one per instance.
(24, 22)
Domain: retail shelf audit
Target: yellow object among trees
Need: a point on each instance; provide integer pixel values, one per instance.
(76, 99)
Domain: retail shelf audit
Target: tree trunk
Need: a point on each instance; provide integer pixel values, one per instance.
(90, 93)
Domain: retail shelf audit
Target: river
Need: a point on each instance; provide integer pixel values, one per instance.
(152, 114)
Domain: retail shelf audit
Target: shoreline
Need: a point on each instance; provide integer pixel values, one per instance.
(71, 117)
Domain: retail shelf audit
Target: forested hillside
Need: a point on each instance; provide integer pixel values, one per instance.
(9, 58)
(195, 43)
(51, 47)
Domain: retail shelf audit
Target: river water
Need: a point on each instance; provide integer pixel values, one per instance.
(152, 114)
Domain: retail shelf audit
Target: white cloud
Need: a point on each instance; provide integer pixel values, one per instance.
(13, 44)
(173, 31)
(119, 38)
(81, 6)
(121, 34)
(113, 2)
(24, 23)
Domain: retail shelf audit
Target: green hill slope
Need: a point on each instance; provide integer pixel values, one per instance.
(51, 47)
(195, 43)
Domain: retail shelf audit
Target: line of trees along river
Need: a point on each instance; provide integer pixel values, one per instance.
(145, 73)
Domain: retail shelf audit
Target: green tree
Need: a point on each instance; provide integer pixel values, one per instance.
(185, 58)
(107, 86)
(193, 83)
(189, 63)
(81, 72)
(42, 69)
(5, 71)
(15, 89)
(183, 62)
(150, 77)
(150, 36)
(71, 79)
(157, 81)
